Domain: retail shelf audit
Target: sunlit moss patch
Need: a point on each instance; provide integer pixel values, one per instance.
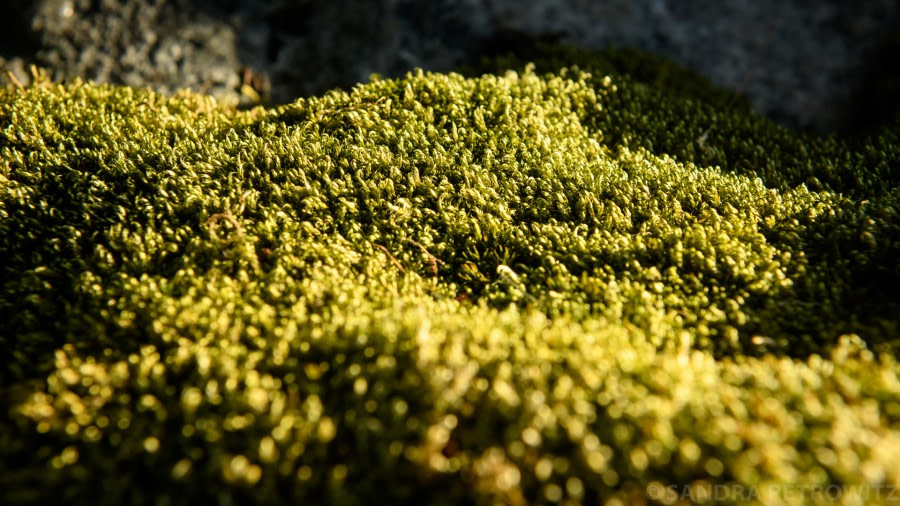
(516, 288)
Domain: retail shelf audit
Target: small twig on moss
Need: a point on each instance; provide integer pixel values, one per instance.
(15, 80)
(39, 76)
(213, 223)
(433, 261)
(392, 257)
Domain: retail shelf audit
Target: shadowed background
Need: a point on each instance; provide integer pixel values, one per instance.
(825, 65)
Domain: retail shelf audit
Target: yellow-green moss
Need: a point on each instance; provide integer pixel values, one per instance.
(516, 288)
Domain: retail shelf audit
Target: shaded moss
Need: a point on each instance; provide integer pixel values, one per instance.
(515, 288)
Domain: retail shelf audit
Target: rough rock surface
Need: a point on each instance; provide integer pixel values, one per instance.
(802, 62)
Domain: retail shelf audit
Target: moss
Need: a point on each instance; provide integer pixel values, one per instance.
(516, 288)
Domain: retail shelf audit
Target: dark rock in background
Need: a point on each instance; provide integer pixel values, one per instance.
(164, 45)
(802, 62)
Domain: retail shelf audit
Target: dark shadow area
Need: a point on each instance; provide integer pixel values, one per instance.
(275, 51)
(877, 100)
(16, 36)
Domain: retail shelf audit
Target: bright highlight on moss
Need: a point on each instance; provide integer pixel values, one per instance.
(517, 288)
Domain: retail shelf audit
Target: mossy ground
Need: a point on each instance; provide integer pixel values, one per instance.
(514, 288)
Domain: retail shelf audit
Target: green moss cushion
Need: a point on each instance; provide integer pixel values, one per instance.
(515, 288)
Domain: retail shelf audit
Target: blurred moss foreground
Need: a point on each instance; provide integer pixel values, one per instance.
(516, 288)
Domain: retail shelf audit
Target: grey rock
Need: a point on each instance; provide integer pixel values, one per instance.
(166, 45)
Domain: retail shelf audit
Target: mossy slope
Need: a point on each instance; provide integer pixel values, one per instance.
(441, 290)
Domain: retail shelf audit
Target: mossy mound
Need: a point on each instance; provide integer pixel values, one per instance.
(507, 289)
